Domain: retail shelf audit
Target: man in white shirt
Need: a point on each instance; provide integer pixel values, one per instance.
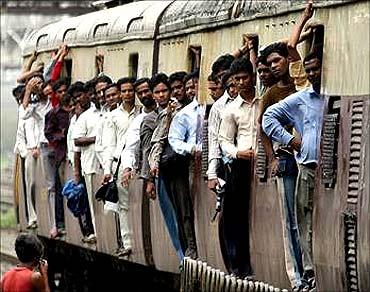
(84, 135)
(237, 137)
(32, 135)
(81, 103)
(113, 143)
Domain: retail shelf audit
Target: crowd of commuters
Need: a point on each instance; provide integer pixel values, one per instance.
(158, 130)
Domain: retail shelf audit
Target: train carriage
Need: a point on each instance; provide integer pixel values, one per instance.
(145, 37)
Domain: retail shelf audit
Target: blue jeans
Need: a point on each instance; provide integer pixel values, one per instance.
(169, 216)
(287, 186)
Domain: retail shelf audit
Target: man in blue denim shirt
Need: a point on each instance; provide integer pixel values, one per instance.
(281, 159)
(304, 111)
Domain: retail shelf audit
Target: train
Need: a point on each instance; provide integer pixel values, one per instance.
(142, 38)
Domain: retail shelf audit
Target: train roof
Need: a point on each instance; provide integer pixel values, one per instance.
(135, 20)
(139, 20)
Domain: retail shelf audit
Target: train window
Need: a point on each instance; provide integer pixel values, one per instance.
(68, 68)
(316, 40)
(99, 63)
(195, 53)
(100, 30)
(133, 64)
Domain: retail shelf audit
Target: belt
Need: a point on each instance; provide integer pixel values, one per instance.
(283, 151)
(311, 165)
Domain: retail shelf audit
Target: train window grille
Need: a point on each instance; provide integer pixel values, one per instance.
(133, 64)
(330, 143)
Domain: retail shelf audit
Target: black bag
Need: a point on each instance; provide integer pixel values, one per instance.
(109, 191)
(168, 155)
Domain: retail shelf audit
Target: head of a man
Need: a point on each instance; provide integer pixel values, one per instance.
(111, 95)
(264, 72)
(143, 92)
(242, 71)
(127, 90)
(100, 83)
(177, 85)
(28, 248)
(161, 89)
(18, 93)
(78, 92)
(191, 85)
(312, 66)
(222, 64)
(38, 80)
(214, 86)
(277, 59)
(60, 88)
(229, 84)
(66, 103)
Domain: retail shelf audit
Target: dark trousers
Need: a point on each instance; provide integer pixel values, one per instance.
(85, 220)
(59, 206)
(236, 216)
(175, 176)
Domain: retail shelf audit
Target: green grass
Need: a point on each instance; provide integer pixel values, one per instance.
(7, 219)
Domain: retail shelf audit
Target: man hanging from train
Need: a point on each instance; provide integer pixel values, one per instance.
(170, 170)
(82, 95)
(86, 135)
(185, 138)
(304, 111)
(237, 137)
(113, 142)
(35, 105)
(281, 159)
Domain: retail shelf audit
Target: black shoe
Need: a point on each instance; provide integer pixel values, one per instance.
(123, 252)
(91, 239)
(32, 225)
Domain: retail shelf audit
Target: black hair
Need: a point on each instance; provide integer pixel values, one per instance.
(177, 76)
(225, 77)
(280, 48)
(125, 80)
(17, 91)
(28, 247)
(157, 79)
(90, 85)
(261, 59)
(103, 78)
(141, 81)
(222, 63)
(78, 86)
(313, 55)
(60, 83)
(213, 78)
(114, 85)
(65, 100)
(241, 65)
(191, 76)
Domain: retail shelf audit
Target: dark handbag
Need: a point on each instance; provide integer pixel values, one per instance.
(168, 155)
(109, 191)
